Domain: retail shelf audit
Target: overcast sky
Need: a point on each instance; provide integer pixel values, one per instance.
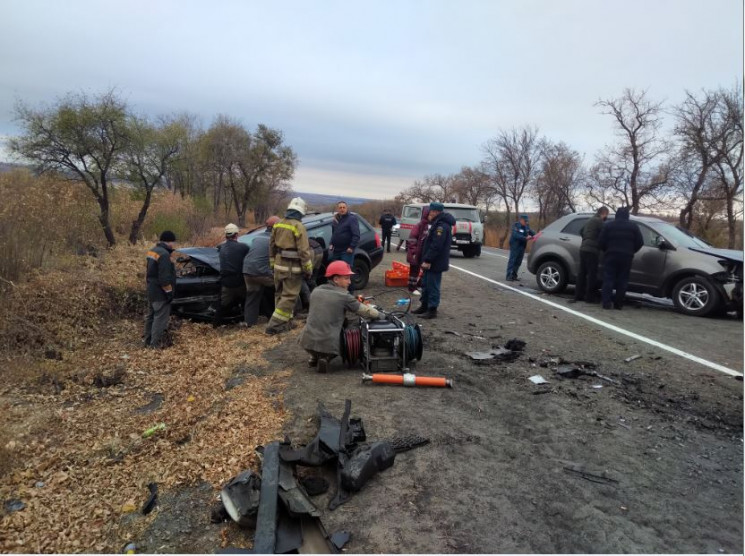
(372, 95)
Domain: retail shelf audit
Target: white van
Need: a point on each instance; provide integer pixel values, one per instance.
(468, 232)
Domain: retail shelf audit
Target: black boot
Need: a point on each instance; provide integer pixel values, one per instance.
(430, 314)
(420, 310)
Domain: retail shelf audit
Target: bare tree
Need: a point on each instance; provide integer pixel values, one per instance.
(560, 177)
(472, 186)
(511, 160)
(146, 160)
(729, 165)
(80, 137)
(435, 187)
(701, 128)
(633, 171)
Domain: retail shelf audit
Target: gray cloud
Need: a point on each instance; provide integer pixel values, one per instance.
(391, 89)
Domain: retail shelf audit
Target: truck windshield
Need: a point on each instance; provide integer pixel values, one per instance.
(467, 214)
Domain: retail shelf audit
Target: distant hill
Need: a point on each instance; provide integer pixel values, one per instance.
(317, 199)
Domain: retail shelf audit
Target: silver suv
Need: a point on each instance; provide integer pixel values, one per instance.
(672, 263)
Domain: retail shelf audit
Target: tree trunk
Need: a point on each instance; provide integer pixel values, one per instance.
(137, 224)
(507, 224)
(103, 218)
(731, 223)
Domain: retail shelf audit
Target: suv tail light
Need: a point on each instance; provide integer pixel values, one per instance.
(377, 240)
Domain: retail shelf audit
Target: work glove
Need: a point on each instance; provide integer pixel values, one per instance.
(382, 315)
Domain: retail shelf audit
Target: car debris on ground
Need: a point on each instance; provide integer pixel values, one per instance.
(278, 504)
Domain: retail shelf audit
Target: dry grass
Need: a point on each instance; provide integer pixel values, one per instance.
(73, 451)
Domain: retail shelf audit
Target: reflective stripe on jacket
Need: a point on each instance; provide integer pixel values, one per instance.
(290, 235)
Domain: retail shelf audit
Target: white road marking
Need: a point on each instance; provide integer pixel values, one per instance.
(614, 328)
(494, 254)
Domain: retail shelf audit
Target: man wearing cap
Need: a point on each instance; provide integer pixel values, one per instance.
(518, 240)
(291, 258)
(387, 221)
(161, 279)
(232, 286)
(257, 274)
(435, 259)
(328, 304)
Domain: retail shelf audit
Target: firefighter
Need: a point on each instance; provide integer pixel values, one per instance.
(232, 287)
(328, 304)
(291, 258)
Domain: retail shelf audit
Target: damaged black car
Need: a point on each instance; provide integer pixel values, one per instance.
(198, 269)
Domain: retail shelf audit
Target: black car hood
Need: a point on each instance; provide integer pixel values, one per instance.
(207, 255)
(729, 254)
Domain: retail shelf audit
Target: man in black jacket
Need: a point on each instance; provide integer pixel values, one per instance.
(161, 279)
(618, 240)
(387, 221)
(232, 285)
(435, 259)
(257, 274)
(344, 237)
(589, 256)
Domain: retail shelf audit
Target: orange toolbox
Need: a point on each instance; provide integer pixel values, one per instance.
(395, 278)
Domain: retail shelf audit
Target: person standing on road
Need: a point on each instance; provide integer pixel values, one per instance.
(518, 241)
(232, 287)
(161, 280)
(435, 259)
(257, 274)
(328, 304)
(414, 246)
(345, 236)
(589, 256)
(387, 221)
(618, 240)
(291, 258)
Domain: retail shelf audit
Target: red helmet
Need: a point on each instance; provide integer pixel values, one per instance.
(338, 268)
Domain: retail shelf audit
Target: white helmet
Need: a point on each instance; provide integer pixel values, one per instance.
(299, 205)
(231, 230)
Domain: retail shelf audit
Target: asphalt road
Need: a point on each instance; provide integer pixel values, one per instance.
(718, 340)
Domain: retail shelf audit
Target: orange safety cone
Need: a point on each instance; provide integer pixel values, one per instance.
(408, 379)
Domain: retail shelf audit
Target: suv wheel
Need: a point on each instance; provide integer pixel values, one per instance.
(695, 296)
(361, 273)
(551, 277)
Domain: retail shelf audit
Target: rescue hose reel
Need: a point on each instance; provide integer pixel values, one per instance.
(382, 345)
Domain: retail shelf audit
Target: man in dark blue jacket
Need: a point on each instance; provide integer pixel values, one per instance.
(345, 236)
(435, 259)
(618, 240)
(232, 286)
(518, 241)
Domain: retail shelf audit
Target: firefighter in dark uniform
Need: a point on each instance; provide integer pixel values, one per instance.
(232, 285)
(161, 279)
(518, 241)
(291, 258)
(435, 259)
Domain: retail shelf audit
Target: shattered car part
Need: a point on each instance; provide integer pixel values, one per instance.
(322, 448)
(515, 344)
(148, 506)
(314, 485)
(340, 539)
(494, 354)
(365, 463)
(538, 379)
(405, 443)
(292, 494)
(241, 498)
(266, 518)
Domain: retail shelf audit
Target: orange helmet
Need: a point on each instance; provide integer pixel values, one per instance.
(338, 268)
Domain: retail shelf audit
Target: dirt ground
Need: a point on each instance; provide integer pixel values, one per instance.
(651, 463)
(498, 476)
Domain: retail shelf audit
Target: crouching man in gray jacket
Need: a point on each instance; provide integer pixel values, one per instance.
(328, 304)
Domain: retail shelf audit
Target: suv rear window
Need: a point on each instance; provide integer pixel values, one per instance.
(575, 226)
